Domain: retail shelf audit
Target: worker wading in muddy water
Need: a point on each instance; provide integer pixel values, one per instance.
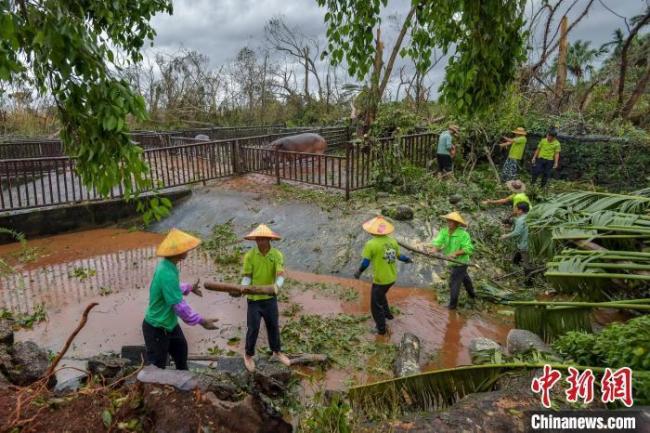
(382, 252)
(263, 266)
(455, 243)
(163, 335)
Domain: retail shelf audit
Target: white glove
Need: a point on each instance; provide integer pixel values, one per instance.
(246, 281)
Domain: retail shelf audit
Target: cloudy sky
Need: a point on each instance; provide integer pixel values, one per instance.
(219, 28)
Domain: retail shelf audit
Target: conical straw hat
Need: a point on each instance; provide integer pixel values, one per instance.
(455, 216)
(378, 226)
(262, 231)
(177, 242)
(520, 131)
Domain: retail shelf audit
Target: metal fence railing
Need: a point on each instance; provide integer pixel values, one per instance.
(175, 161)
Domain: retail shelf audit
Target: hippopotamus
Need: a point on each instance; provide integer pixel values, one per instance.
(305, 143)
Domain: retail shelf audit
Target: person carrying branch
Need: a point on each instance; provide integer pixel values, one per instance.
(518, 189)
(515, 154)
(263, 266)
(455, 243)
(446, 150)
(382, 252)
(162, 334)
(519, 233)
(546, 158)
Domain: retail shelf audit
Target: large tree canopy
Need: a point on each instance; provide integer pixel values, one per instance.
(72, 49)
(487, 36)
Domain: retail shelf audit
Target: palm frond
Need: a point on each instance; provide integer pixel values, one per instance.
(439, 389)
(551, 320)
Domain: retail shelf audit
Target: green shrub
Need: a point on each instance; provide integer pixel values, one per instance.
(578, 346)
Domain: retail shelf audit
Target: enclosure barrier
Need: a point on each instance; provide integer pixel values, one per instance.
(174, 161)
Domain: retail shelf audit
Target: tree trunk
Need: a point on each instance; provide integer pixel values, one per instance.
(306, 52)
(373, 92)
(623, 71)
(396, 48)
(407, 361)
(636, 94)
(561, 61)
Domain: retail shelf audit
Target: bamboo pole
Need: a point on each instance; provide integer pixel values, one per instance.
(239, 289)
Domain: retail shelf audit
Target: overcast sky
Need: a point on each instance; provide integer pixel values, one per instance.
(219, 28)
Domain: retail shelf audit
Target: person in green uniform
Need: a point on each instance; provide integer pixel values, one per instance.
(382, 253)
(518, 189)
(519, 234)
(163, 337)
(516, 153)
(263, 266)
(546, 158)
(455, 242)
(446, 150)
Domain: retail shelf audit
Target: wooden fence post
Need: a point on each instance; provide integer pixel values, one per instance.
(235, 157)
(348, 154)
(276, 154)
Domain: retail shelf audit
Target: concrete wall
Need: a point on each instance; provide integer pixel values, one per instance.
(49, 221)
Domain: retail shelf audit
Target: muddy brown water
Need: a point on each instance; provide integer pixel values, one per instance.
(113, 267)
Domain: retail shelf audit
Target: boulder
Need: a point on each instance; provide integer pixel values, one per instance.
(407, 361)
(520, 341)
(4, 382)
(6, 332)
(107, 366)
(5, 359)
(403, 213)
(70, 385)
(29, 363)
(483, 350)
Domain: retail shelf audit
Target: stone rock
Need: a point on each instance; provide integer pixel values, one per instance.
(182, 380)
(4, 382)
(135, 354)
(29, 363)
(403, 213)
(70, 385)
(455, 198)
(520, 341)
(107, 366)
(407, 361)
(271, 378)
(6, 332)
(5, 359)
(482, 350)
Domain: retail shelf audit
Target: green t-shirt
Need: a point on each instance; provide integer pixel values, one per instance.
(263, 269)
(444, 143)
(382, 252)
(458, 240)
(519, 198)
(517, 148)
(164, 293)
(547, 150)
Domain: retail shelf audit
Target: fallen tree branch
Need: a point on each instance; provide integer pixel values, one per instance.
(66, 346)
(428, 254)
(296, 359)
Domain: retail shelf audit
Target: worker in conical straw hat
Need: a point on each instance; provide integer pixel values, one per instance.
(381, 252)
(263, 266)
(162, 334)
(455, 242)
(517, 146)
(518, 195)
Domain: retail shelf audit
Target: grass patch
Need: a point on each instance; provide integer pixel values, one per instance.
(22, 320)
(223, 245)
(342, 338)
(82, 273)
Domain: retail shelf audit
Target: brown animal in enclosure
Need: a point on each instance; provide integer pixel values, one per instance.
(304, 143)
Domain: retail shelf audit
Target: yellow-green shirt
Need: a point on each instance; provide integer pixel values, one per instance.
(164, 293)
(458, 240)
(547, 150)
(382, 252)
(520, 198)
(517, 148)
(263, 269)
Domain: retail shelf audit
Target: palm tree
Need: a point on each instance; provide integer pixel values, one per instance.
(581, 58)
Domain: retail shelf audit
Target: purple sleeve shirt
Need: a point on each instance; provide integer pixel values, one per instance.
(183, 309)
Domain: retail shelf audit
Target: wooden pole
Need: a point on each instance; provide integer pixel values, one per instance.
(239, 289)
(428, 254)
